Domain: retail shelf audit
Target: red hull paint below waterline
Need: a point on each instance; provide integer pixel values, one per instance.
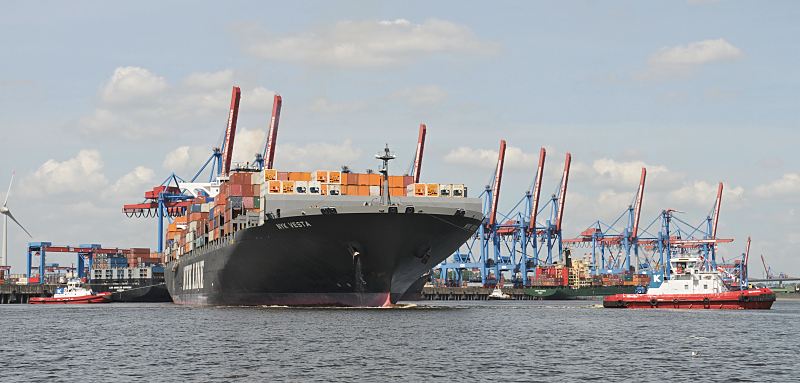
(753, 299)
(96, 298)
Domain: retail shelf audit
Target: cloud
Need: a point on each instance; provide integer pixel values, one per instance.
(788, 184)
(702, 193)
(81, 173)
(315, 155)
(132, 83)
(136, 104)
(367, 43)
(421, 95)
(627, 173)
(210, 80)
(132, 183)
(84, 174)
(683, 59)
(515, 158)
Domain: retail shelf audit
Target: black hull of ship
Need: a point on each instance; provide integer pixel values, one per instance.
(150, 291)
(366, 259)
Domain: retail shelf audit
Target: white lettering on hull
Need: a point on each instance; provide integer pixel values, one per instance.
(193, 276)
(293, 225)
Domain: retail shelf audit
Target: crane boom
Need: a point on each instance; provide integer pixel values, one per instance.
(562, 195)
(230, 132)
(537, 190)
(420, 147)
(717, 205)
(638, 208)
(746, 257)
(497, 180)
(766, 269)
(272, 135)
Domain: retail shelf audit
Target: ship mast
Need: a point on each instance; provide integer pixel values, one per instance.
(386, 156)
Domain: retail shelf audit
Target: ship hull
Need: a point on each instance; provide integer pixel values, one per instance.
(95, 298)
(569, 293)
(357, 259)
(129, 291)
(753, 299)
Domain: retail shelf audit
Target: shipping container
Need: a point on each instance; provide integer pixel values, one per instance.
(275, 187)
(458, 191)
(445, 190)
(323, 189)
(432, 190)
(397, 192)
(374, 190)
(334, 177)
(334, 189)
(363, 190)
(320, 176)
(314, 187)
(299, 176)
(301, 187)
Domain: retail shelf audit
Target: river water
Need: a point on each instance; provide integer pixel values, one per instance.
(527, 341)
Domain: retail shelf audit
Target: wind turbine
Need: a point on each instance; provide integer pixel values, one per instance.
(6, 215)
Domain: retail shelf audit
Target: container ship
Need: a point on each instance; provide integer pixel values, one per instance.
(562, 282)
(254, 235)
(333, 241)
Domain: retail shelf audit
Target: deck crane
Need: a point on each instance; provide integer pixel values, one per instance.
(744, 272)
(266, 160)
(606, 238)
(173, 196)
(490, 231)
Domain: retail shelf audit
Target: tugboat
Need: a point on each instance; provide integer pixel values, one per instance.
(690, 287)
(73, 293)
(498, 294)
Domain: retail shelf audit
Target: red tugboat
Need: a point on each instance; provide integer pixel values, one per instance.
(73, 294)
(689, 287)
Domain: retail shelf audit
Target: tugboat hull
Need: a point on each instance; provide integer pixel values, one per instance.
(753, 299)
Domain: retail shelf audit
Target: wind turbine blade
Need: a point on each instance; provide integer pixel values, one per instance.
(9, 189)
(18, 224)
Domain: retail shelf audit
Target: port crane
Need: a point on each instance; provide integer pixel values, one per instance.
(607, 239)
(85, 256)
(416, 166)
(173, 196)
(266, 159)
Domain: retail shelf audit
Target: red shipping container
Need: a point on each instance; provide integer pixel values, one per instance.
(248, 203)
(236, 190)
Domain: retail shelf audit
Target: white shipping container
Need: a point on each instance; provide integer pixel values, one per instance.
(458, 191)
(301, 187)
(374, 190)
(445, 190)
(314, 187)
(258, 178)
(205, 208)
(334, 189)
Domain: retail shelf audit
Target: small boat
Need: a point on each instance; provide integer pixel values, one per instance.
(498, 294)
(691, 287)
(73, 293)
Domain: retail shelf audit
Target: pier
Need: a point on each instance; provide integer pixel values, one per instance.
(470, 294)
(23, 293)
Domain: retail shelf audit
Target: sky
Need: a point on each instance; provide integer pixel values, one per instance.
(100, 101)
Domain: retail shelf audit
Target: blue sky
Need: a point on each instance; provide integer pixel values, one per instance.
(99, 101)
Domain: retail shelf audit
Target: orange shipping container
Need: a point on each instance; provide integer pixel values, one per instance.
(270, 174)
(275, 187)
(320, 176)
(334, 177)
(363, 190)
(395, 181)
(433, 190)
(374, 179)
(419, 190)
(397, 192)
(299, 176)
(288, 187)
